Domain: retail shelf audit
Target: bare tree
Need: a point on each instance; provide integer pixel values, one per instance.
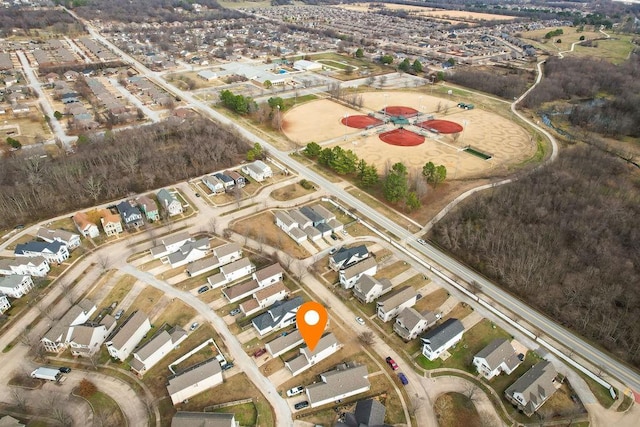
(20, 399)
(67, 290)
(213, 225)
(415, 403)
(366, 338)
(104, 261)
(471, 391)
(45, 310)
(487, 419)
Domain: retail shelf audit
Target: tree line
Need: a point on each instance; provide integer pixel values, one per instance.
(566, 239)
(506, 86)
(113, 165)
(26, 20)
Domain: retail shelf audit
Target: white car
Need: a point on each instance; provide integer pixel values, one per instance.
(360, 320)
(295, 391)
(422, 242)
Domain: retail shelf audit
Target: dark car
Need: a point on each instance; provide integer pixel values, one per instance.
(392, 363)
(226, 366)
(65, 370)
(203, 289)
(259, 352)
(301, 405)
(197, 194)
(19, 227)
(235, 312)
(403, 378)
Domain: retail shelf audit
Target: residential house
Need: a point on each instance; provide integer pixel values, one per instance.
(169, 202)
(131, 215)
(237, 269)
(237, 178)
(227, 181)
(534, 388)
(110, 222)
(16, 286)
(279, 315)
(215, 184)
(149, 207)
(345, 257)
(203, 419)
(59, 335)
(335, 225)
(202, 266)
(194, 380)
(284, 221)
(228, 253)
(369, 289)
(441, 338)
(269, 275)
(410, 323)
(325, 213)
(302, 221)
(189, 252)
(392, 304)
(258, 170)
(350, 275)
(171, 244)
(344, 381)
(283, 343)
(497, 357)
(315, 218)
(265, 297)
(85, 226)
(4, 303)
(368, 413)
(241, 290)
(52, 252)
(36, 266)
(71, 240)
(147, 356)
(327, 346)
(312, 233)
(87, 338)
(128, 335)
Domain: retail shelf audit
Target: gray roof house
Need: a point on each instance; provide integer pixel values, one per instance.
(194, 380)
(368, 413)
(131, 215)
(439, 339)
(280, 315)
(52, 252)
(312, 215)
(390, 305)
(203, 419)
(367, 289)
(327, 345)
(282, 344)
(351, 274)
(409, 323)
(348, 256)
(72, 240)
(499, 356)
(342, 382)
(169, 202)
(145, 357)
(532, 389)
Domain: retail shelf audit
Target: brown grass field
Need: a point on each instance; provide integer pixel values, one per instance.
(459, 15)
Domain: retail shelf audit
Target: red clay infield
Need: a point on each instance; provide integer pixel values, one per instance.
(400, 111)
(402, 137)
(360, 121)
(442, 126)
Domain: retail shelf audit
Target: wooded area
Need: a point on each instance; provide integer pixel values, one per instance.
(27, 20)
(112, 166)
(506, 86)
(615, 89)
(567, 240)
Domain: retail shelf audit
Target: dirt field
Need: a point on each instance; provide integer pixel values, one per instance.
(489, 133)
(436, 13)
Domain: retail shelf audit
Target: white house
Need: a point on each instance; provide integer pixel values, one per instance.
(128, 335)
(283, 343)
(265, 297)
(441, 338)
(4, 303)
(147, 356)
(241, 290)
(36, 266)
(171, 244)
(533, 388)
(60, 334)
(15, 285)
(268, 275)
(111, 223)
(327, 346)
(390, 305)
(350, 275)
(409, 323)
(290, 226)
(369, 289)
(71, 240)
(237, 269)
(346, 257)
(258, 170)
(202, 266)
(302, 220)
(344, 381)
(194, 380)
(228, 253)
(279, 315)
(169, 202)
(52, 252)
(497, 357)
(188, 252)
(85, 226)
(214, 184)
(86, 339)
(304, 65)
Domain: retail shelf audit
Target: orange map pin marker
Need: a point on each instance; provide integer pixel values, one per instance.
(311, 320)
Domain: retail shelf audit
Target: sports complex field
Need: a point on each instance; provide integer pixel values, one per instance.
(486, 134)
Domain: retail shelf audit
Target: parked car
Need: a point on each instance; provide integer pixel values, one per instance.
(422, 242)
(392, 363)
(203, 289)
(333, 251)
(295, 391)
(235, 312)
(19, 227)
(301, 405)
(259, 352)
(194, 326)
(227, 365)
(119, 314)
(403, 379)
(65, 370)
(360, 320)
(197, 194)
(334, 237)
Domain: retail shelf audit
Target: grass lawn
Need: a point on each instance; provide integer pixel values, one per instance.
(145, 300)
(103, 404)
(460, 311)
(615, 50)
(262, 226)
(172, 272)
(561, 405)
(290, 102)
(150, 265)
(626, 404)
(455, 409)
(176, 313)
(204, 354)
(601, 393)
(393, 270)
(382, 208)
(290, 192)
(416, 282)
(23, 239)
(432, 301)
(246, 413)
(122, 287)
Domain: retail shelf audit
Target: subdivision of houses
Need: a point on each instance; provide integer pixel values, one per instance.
(149, 207)
(36, 266)
(346, 257)
(237, 269)
(147, 356)
(533, 388)
(194, 380)
(16, 285)
(283, 343)
(439, 339)
(344, 381)
(261, 279)
(202, 266)
(58, 336)
(71, 240)
(279, 315)
(390, 305)
(351, 274)
(368, 289)
(128, 335)
(228, 253)
(131, 215)
(169, 202)
(85, 226)
(53, 252)
(410, 323)
(257, 170)
(497, 357)
(327, 346)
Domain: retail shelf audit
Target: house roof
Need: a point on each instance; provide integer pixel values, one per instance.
(370, 413)
(334, 223)
(108, 321)
(325, 342)
(82, 220)
(153, 345)
(224, 178)
(148, 203)
(311, 214)
(274, 315)
(235, 266)
(269, 291)
(128, 328)
(285, 218)
(47, 234)
(127, 211)
(262, 165)
(182, 253)
(175, 238)
(323, 212)
(38, 247)
(282, 342)
(536, 385)
(410, 318)
(233, 174)
(297, 233)
(298, 217)
(11, 281)
(441, 334)
(345, 254)
(165, 197)
(366, 283)
(201, 264)
(498, 351)
(311, 231)
(213, 180)
(228, 249)
(193, 375)
(343, 379)
(235, 291)
(360, 267)
(324, 228)
(82, 334)
(270, 271)
(68, 319)
(15, 262)
(108, 216)
(202, 419)
(396, 297)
